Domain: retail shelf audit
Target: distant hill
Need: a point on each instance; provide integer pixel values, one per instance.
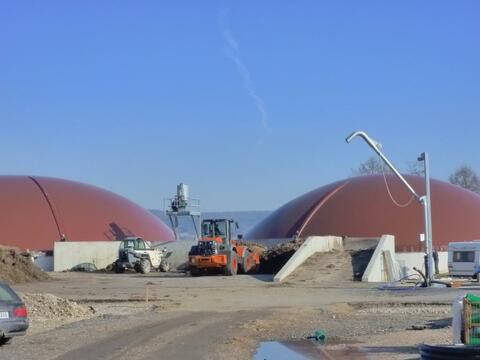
(246, 220)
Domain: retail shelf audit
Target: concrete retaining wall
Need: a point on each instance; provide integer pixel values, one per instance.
(178, 258)
(383, 266)
(416, 259)
(68, 254)
(312, 245)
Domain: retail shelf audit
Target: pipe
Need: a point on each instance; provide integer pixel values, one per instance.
(376, 147)
(425, 283)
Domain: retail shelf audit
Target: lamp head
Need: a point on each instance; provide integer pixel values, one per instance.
(367, 138)
(351, 136)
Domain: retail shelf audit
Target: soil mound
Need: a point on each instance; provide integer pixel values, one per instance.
(273, 259)
(17, 268)
(51, 307)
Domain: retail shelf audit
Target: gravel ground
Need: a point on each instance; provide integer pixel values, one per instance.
(208, 317)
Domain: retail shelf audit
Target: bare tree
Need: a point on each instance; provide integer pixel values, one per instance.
(415, 168)
(373, 165)
(466, 177)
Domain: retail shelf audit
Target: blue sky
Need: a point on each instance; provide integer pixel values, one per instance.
(248, 102)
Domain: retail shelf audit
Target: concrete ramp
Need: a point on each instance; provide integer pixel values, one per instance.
(312, 245)
(333, 259)
(330, 269)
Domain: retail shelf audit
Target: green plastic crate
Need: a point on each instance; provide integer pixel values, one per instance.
(471, 318)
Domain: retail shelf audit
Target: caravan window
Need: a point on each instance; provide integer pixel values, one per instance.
(463, 256)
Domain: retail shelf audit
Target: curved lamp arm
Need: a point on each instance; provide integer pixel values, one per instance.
(376, 146)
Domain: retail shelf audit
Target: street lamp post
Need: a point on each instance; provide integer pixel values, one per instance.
(423, 200)
(428, 235)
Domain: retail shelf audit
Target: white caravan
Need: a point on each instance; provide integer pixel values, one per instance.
(463, 258)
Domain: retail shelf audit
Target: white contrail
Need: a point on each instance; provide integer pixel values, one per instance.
(233, 52)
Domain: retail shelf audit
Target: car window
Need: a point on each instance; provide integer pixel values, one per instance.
(140, 245)
(6, 294)
(130, 244)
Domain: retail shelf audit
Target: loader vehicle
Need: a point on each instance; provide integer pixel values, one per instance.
(218, 252)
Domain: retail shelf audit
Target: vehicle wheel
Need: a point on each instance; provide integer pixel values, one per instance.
(246, 264)
(5, 340)
(136, 267)
(232, 265)
(144, 266)
(119, 269)
(194, 272)
(164, 267)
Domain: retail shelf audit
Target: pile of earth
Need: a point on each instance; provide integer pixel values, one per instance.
(51, 307)
(16, 267)
(273, 259)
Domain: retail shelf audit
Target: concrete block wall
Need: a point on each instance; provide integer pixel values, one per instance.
(67, 254)
(178, 258)
(416, 259)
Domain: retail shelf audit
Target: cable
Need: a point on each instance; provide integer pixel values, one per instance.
(392, 286)
(391, 196)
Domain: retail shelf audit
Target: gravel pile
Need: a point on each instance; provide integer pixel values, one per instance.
(17, 268)
(406, 309)
(51, 307)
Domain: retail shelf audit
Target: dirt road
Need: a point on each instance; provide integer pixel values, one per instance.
(209, 317)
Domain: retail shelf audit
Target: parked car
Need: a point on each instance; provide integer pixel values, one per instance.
(13, 314)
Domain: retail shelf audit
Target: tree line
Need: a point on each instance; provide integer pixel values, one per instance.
(464, 176)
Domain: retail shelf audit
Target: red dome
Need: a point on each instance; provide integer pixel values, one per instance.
(362, 207)
(36, 211)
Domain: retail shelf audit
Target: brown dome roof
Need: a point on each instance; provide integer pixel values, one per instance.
(36, 211)
(362, 207)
